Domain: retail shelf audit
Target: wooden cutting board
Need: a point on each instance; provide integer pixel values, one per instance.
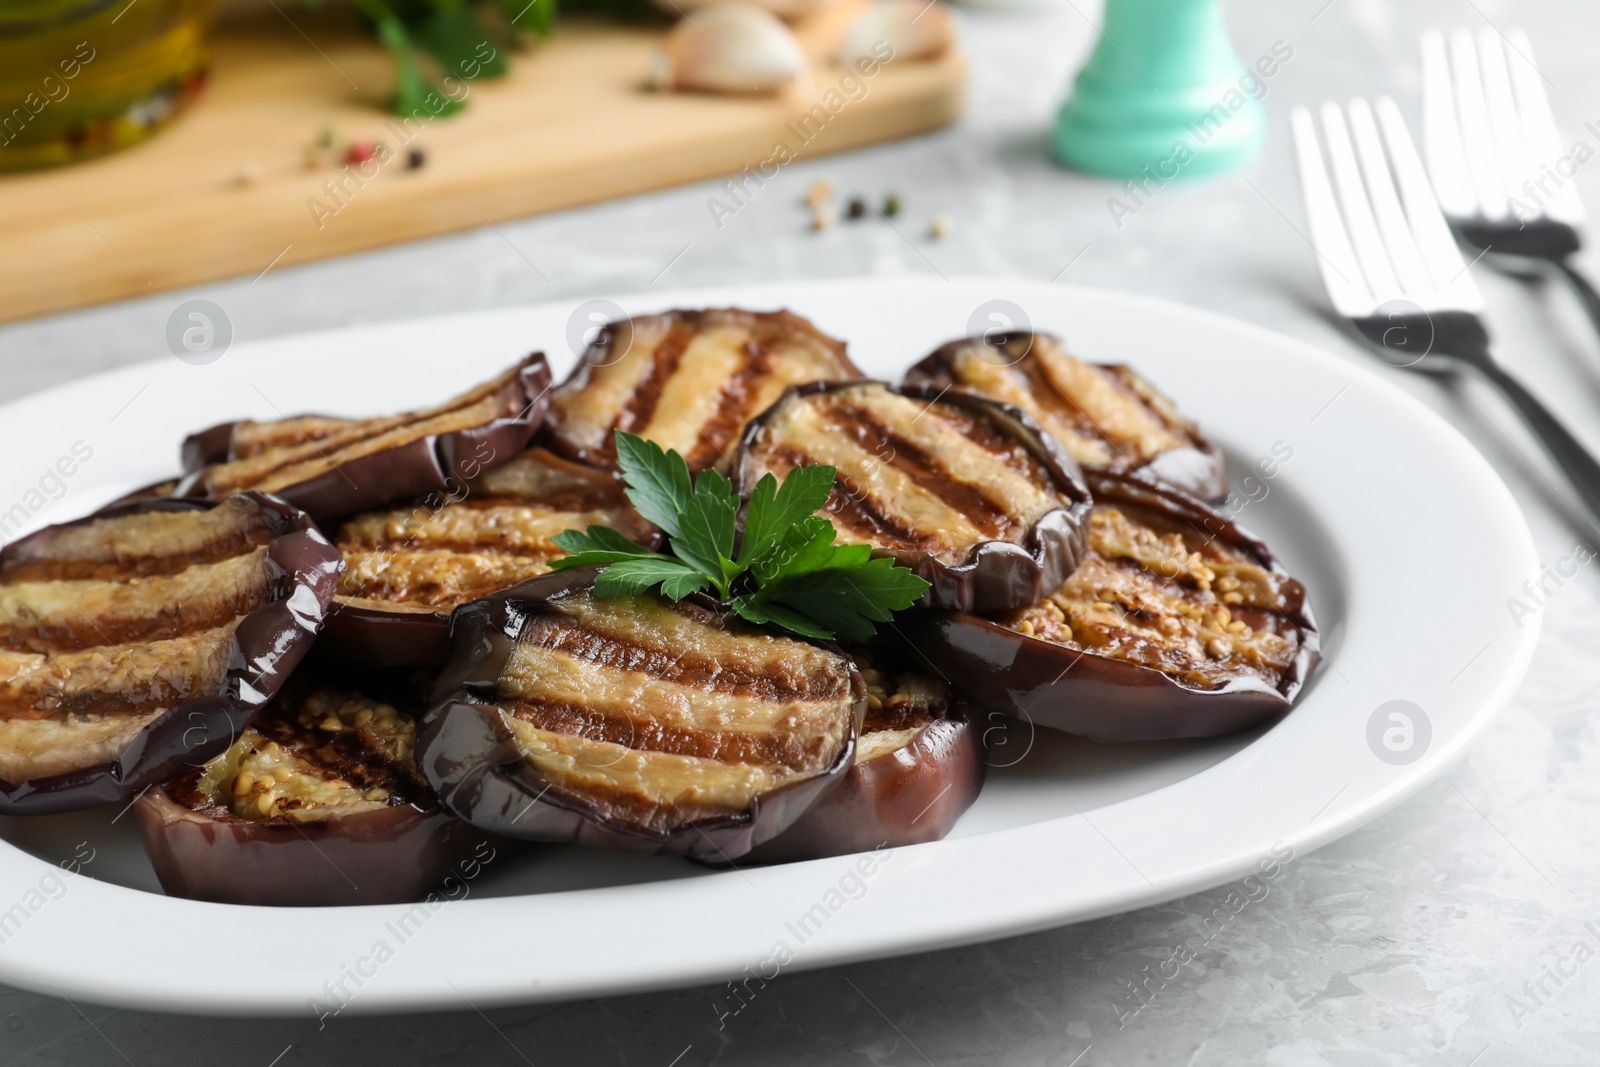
(572, 124)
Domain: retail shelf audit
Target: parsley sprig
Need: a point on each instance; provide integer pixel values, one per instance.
(787, 570)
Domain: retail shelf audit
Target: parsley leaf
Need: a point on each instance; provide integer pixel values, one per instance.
(658, 482)
(774, 509)
(598, 540)
(706, 528)
(840, 589)
(789, 571)
(633, 576)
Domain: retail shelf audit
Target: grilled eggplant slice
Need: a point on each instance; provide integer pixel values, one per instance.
(318, 803)
(967, 492)
(688, 380)
(142, 639)
(1106, 415)
(333, 467)
(919, 764)
(634, 724)
(407, 569)
(1177, 624)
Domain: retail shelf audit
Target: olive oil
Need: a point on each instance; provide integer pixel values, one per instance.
(80, 78)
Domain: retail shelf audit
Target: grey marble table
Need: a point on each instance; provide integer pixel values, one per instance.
(1404, 943)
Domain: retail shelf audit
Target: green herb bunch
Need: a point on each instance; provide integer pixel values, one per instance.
(787, 571)
(464, 39)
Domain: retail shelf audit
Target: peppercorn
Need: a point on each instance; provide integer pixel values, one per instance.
(360, 151)
(415, 158)
(891, 205)
(857, 208)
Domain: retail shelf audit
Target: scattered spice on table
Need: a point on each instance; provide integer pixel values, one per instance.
(940, 226)
(819, 193)
(823, 218)
(891, 205)
(415, 158)
(857, 208)
(360, 152)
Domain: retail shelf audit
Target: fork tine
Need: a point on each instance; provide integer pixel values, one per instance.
(1357, 210)
(1341, 274)
(1392, 226)
(1502, 110)
(1476, 136)
(1539, 134)
(1441, 136)
(1438, 249)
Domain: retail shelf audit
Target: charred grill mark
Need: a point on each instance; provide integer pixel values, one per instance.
(122, 563)
(867, 430)
(253, 438)
(310, 446)
(646, 735)
(851, 507)
(442, 579)
(88, 570)
(442, 557)
(640, 408)
(52, 617)
(309, 743)
(113, 680)
(733, 402)
(346, 756)
(714, 674)
(1139, 598)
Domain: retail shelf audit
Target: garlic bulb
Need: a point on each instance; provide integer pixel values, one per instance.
(728, 48)
(784, 9)
(899, 30)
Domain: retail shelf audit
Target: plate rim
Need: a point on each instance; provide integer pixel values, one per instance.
(36, 971)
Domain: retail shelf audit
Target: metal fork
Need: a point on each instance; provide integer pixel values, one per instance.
(1391, 267)
(1494, 154)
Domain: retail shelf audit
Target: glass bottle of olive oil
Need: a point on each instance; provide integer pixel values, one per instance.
(80, 78)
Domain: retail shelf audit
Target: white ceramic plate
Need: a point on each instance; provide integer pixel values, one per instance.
(1408, 542)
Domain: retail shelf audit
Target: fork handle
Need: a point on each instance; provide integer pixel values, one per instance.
(1586, 292)
(1570, 455)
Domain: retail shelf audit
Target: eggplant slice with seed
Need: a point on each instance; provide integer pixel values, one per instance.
(1177, 624)
(318, 803)
(1106, 415)
(407, 569)
(969, 493)
(919, 765)
(634, 724)
(141, 640)
(333, 467)
(688, 380)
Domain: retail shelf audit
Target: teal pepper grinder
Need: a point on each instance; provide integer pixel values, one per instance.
(1163, 95)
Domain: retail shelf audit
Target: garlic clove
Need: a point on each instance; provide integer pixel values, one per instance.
(899, 30)
(728, 48)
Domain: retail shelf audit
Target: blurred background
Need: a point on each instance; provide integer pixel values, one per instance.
(309, 166)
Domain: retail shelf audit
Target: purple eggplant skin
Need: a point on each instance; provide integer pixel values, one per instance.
(1095, 696)
(430, 464)
(214, 444)
(1199, 470)
(390, 856)
(909, 796)
(267, 646)
(386, 639)
(473, 763)
(999, 575)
